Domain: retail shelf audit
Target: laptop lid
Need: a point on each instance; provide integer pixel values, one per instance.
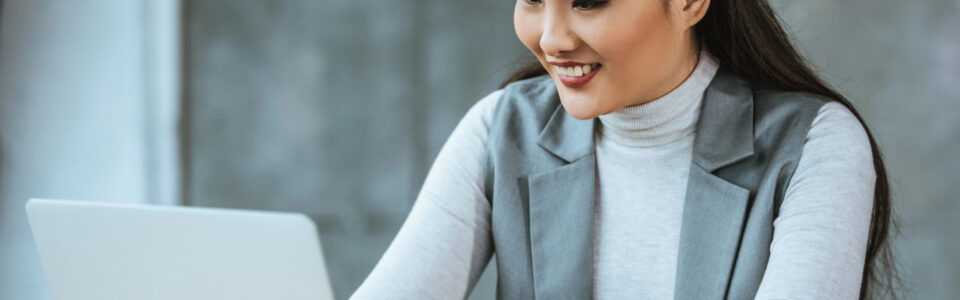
(123, 251)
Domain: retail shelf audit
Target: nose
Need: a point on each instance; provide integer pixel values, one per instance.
(557, 37)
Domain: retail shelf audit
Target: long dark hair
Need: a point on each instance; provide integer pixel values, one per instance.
(746, 37)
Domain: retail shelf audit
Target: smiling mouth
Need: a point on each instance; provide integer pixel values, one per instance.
(577, 76)
(576, 71)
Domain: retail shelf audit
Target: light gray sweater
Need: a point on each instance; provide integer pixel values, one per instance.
(643, 159)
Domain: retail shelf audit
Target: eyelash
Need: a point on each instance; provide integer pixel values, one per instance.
(582, 4)
(590, 3)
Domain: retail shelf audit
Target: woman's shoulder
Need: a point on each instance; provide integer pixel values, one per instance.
(536, 95)
(481, 113)
(791, 106)
(826, 118)
(837, 142)
(836, 127)
(771, 101)
(488, 102)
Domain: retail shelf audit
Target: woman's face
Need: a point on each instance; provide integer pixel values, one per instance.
(628, 51)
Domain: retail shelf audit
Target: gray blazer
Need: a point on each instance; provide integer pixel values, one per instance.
(541, 176)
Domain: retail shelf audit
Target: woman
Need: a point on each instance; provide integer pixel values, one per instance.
(657, 149)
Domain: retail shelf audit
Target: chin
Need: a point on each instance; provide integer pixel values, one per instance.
(582, 109)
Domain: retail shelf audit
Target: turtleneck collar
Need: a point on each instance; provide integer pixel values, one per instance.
(665, 119)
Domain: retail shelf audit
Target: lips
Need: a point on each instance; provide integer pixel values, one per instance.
(579, 81)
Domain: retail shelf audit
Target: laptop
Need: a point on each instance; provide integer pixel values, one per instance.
(123, 251)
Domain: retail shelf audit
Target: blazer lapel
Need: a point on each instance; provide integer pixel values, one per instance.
(561, 201)
(714, 208)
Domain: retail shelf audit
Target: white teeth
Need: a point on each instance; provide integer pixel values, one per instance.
(575, 71)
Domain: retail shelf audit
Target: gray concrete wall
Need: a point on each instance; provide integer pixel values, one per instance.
(337, 108)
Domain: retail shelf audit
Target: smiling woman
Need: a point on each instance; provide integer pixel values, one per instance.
(656, 149)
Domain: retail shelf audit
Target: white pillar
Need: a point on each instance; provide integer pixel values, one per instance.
(88, 95)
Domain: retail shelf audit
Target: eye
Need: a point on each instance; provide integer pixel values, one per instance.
(581, 4)
(588, 4)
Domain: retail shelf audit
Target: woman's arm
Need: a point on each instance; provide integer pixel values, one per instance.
(820, 236)
(445, 243)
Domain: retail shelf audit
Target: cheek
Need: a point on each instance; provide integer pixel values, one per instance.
(636, 36)
(642, 41)
(527, 28)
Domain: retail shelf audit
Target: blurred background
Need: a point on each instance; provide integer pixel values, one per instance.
(337, 108)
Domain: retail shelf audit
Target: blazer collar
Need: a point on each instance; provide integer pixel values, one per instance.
(561, 200)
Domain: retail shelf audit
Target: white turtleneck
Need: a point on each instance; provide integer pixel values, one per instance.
(643, 157)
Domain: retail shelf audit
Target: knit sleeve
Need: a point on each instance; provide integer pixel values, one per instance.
(820, 235)
(445, 243)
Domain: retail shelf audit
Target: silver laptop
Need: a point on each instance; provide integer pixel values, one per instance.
(121, 251)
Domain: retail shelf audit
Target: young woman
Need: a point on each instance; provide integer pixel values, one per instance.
(658, 149)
